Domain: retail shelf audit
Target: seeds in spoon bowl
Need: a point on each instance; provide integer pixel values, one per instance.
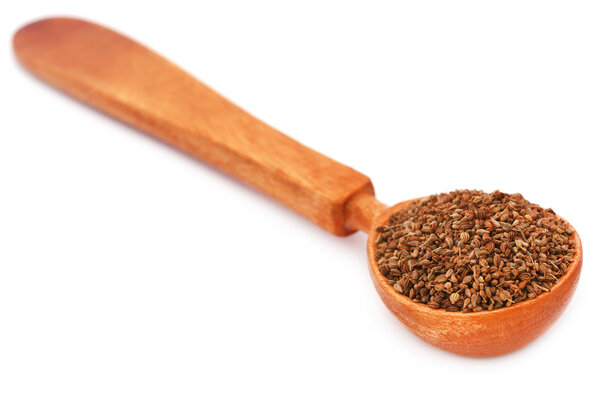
(471, 251)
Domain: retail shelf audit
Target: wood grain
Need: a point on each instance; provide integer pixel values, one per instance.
(128, 81)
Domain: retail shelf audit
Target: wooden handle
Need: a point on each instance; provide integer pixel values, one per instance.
(130, 82)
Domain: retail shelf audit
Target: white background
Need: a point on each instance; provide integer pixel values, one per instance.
(127, 267)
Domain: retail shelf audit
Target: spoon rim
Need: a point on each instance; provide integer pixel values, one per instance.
(383, 218)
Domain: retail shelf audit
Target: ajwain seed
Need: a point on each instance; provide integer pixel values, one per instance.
(494, 248)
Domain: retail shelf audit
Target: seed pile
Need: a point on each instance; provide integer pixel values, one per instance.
(471, 251)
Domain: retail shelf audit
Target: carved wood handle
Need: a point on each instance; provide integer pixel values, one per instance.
(130, 82)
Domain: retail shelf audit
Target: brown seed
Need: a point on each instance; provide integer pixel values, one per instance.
(497, 260)
(525, 276)
(454, 297)
(464, 237)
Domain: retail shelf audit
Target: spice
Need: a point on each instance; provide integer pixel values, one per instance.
(471, 251)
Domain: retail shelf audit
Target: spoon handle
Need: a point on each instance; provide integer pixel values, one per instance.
(132, 83)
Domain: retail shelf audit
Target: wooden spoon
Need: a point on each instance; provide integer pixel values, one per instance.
(132, 83)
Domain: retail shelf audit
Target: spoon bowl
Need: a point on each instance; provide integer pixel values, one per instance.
(479, 334)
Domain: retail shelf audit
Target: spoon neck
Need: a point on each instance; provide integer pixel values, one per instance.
(361, 210)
